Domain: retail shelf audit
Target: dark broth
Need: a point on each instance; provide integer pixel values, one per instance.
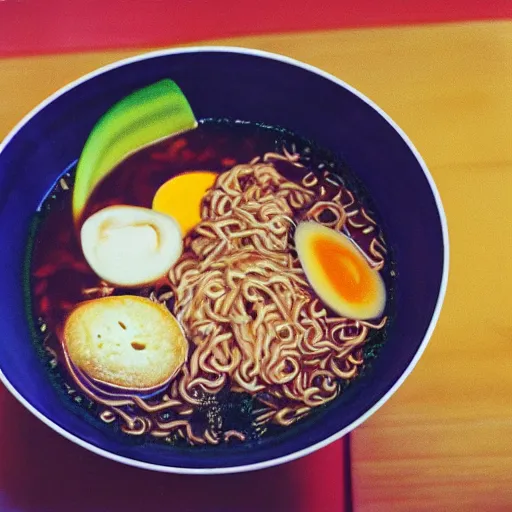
(60, 273)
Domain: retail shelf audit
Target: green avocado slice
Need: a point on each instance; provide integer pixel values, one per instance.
(142, 118)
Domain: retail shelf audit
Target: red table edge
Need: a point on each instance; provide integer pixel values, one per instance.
(60, 26)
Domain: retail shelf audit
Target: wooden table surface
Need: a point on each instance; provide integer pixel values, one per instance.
(444, 441)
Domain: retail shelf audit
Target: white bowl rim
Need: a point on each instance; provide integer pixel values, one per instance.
(442, 290)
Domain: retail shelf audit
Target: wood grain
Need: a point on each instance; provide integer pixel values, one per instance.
(443, 442)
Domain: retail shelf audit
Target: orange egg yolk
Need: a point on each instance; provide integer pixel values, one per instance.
(181, 197)
(339, 272)
(346, 273)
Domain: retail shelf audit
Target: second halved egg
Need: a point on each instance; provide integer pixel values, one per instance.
(339, 273)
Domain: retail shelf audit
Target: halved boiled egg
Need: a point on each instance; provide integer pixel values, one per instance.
(339, 273)
(181, 197)
(129, 245)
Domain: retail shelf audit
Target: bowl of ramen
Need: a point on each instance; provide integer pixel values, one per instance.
(217, 259)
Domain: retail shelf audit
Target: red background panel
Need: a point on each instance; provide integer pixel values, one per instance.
(48, 26)
(40, 471)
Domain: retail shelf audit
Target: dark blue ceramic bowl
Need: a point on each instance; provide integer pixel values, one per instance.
(248, 85)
